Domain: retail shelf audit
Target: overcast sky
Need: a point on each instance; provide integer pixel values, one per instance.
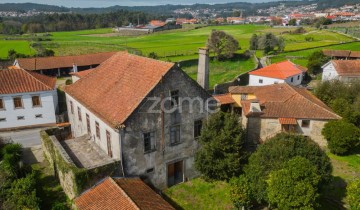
(108, 3)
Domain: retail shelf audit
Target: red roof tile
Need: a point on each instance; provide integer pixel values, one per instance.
(224, 99)
(121, 194)
(82, 74)
(285, 101)
(280, 70)
(117, 87)
(347, 67)
(337, 53)
(287, 121)
(56, 62)
(17, 80)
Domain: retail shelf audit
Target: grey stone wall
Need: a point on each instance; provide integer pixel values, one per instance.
(136, 162)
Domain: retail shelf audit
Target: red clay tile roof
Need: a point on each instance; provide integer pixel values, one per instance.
(337, 53)
(121, 194)
(56, 62)
(17, 80)
(347, 67)
(355, 54)
(280, 70)
(285, 101)
(224, 98)
(117, 87)
(287, 121)
(82, 74)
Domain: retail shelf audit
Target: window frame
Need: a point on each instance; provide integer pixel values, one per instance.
(79, 114)
(197, 130)
(88, 125)
(3, 119)
(37, 116)
(97, 129)
(174, 95)
(299, 77)
(244, 96)
(2, 104)
(152, 142)
(21, 101)
(178, 132)
(305, 125)
(261, 81)
(292, 79)
(71, 107)
(32, 101)
(20, 117)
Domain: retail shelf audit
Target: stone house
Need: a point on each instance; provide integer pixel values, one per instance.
(268, 110)
(133, 108)
(62, 65)
(343, 70)
(27, 99)
(283, 72)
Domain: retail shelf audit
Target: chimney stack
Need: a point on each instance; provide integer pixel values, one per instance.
(203, 68)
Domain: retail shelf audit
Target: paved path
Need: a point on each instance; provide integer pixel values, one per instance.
(27, 138)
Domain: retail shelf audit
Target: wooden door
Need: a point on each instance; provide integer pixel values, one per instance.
(108, 139)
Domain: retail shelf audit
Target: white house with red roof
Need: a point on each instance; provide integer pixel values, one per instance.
(343, 70)
(283, 72)
(27, 99)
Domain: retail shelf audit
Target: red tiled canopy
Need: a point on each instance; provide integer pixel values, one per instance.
(287, 121)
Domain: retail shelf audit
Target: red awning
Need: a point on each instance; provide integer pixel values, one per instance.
(287, 121)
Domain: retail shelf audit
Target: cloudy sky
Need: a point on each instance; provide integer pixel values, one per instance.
(107, 3)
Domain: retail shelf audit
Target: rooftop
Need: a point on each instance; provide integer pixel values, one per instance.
(85, 153)
(82, 74)
(121, 194)
(280, 70)
(347, 67)
(16, 80)
(56, 62)
(119, 76)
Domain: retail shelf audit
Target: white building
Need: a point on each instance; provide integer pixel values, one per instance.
(283, 72)
(343, 70)
(27, 99)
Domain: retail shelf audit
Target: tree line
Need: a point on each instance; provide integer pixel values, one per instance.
(72, 21)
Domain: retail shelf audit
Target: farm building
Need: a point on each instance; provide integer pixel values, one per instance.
(343, 70)
(342, 54)
(283, 72)
(62, 65)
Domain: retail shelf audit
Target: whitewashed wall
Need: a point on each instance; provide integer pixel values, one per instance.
(254, 80)
(79, 128)
(47, 109)
(329, 72)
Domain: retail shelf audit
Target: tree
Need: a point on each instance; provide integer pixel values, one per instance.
(153, 55)
(268, 42)
(254, 42)
(275, 152)
(292, 22)
(353, 194)
(222, 44)
(221, 154)
(240, 192)
(342, 137)
(295, 185)
(316, 61)
(281, 44)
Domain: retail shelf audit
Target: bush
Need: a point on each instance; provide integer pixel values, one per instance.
(221, 153)
(316, 61)
(59, 206)
(11, 155)
(275, 153)
(353, 194)
(342, 137)
(240, 192)
(68, 82)
(295, 185)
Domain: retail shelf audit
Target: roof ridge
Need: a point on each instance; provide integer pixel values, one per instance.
(124, 193)
(35, 77)
(333, 113)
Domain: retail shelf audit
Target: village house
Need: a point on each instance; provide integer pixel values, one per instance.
(121, 194)
(268, 110)
(116, 105)
(343, 70)
(342, 54)
(283, 72)
(62, 65)
(27, 99)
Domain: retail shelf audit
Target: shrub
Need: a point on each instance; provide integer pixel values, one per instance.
(68, 82)
(342, 136)
(295, 185)
(275, 152)
(353, 194)
(11, 154)
(240, 192)
(221, 153)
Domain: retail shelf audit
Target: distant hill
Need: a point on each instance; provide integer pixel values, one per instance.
(24, 7)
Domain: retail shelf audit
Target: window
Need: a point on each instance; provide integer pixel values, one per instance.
(197, 128)
(292, 79)
(175, 134)
(88, 123)
(108, 140)
(79, 114)
(276, 82)
(97, 129)
(298, 77)
(21, 118)
(244, 96)
(36, 101)
(71, 107)
(2, 106)
(260, 81)
(149, 142)
(174, 97)
(38, 116)
(2, 119)
(150, 170)
(305, 123)
(18, 103)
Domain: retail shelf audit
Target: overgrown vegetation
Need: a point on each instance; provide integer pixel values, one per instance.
(315, 61)
(353, 194)
(267, 42)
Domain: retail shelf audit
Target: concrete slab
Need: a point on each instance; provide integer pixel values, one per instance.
(33, 155)
(85, 153)
(27, 138)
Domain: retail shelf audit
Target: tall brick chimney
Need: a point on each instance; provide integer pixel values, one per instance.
(203, 68)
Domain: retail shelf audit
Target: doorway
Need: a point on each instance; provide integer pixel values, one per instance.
(175, 173)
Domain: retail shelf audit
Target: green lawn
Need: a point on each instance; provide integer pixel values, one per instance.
(199, 194)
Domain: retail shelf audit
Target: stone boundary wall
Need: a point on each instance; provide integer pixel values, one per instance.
(73, 180)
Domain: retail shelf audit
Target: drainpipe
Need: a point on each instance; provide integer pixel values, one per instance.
(122, 136)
